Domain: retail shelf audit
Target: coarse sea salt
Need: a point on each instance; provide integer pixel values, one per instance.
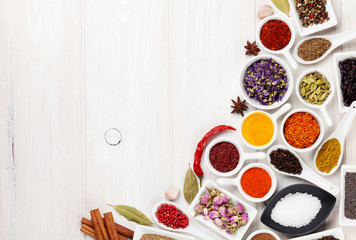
(296, 210)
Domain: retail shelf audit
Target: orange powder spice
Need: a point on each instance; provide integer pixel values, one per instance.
(256, 182)
(301, 130)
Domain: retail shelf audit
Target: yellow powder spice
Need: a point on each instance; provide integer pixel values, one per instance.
(258, 129)
(328, 155)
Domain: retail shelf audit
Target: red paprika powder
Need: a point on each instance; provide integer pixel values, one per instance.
(275, 35)
(256, 182)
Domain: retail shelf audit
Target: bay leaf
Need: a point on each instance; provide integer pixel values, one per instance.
(132, 214)
(282, 5)
(191, 186)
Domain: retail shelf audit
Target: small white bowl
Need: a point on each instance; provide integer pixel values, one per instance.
(254, 102)
(238, 235)
(141, 230)
(237, 182)
(342, 219)
(303, 31)
(338, 57)
(336, 232)
(243, 157)
(322, 107)
(273, 117)
(319, 121)
(263, 231)
(284, 51)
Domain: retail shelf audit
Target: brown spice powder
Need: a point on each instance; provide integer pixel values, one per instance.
(155, 237)
(263, 236)
(313, 49)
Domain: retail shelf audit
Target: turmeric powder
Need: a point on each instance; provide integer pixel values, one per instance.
(328, 155)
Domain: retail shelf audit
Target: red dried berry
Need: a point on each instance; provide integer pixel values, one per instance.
(172, 217)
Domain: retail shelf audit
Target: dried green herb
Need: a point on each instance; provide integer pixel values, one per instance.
(282, 5)
(132, 214)
(191, 187)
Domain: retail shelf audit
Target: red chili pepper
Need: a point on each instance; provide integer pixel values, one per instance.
(201, 145)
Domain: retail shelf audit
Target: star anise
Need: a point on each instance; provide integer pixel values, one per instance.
(239, 106)
(252, 48)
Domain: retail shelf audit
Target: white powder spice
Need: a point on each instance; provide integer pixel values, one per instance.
(296, 210)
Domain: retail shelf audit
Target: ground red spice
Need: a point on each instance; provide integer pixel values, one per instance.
(256, 182)
(275, 35)
(224, 156)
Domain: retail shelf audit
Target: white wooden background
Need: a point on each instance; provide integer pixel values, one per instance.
(161, 71)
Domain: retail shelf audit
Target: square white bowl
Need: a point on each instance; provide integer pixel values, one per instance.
(141, 230)
(303, 31)
(342, 219)
(252, 212)
(338, 57)
(336, 232)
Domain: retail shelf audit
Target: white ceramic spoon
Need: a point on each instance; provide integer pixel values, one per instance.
(192, 229)
(340, 134)
(307, 173)
(336, 40)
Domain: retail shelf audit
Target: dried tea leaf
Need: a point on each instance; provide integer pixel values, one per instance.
(191, 187)
(132, 214)
(282, 5)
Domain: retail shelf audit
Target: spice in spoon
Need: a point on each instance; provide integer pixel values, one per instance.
(275, 35)
(286, 161)
(314, 88)
(155, 237)
(313, 49)
(328, 155)
(263, 236)
(256, 182)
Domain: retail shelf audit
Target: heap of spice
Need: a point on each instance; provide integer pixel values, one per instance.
(155, 237)
(275, 35)
(286, 161)
(216, 206)
(263, 236)
(296, 210)
(256, 182)
(258, 129)
(172, 217)
(314, 88)
(348, 80)
(224, 156)
(301, 130)
(328, 155)
(266, 81)
(311, 12)
(330, 237)
(350, 195)
(313, 49)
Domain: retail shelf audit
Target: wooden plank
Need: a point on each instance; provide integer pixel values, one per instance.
(41, 119)
(127, 87)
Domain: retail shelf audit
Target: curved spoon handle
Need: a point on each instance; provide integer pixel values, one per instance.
(343, 128)
(322, 183)
(285, 108)
(343, 38)
(201, 233)
(328, 120)
(226, 181)
(291, 60)
(255, 155)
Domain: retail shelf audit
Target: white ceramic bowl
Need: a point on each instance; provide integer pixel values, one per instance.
(336, 232)
(337, 58)
(315, 28)
(254, 102)
(342, 219)
(319, 121)
(252, 212)
(263, 231)
(273, 117)
(322, 107)
(243, 157)
(284, 51)
(141, 230)
(271, 174)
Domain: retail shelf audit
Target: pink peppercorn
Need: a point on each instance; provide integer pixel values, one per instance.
(172, 217)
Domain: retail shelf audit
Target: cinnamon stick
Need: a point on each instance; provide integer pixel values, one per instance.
(119, 228)
(99, 225)
(88, 228)
(110, 226)
(84, 230)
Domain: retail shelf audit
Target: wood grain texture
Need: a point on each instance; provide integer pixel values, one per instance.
(162, 72)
